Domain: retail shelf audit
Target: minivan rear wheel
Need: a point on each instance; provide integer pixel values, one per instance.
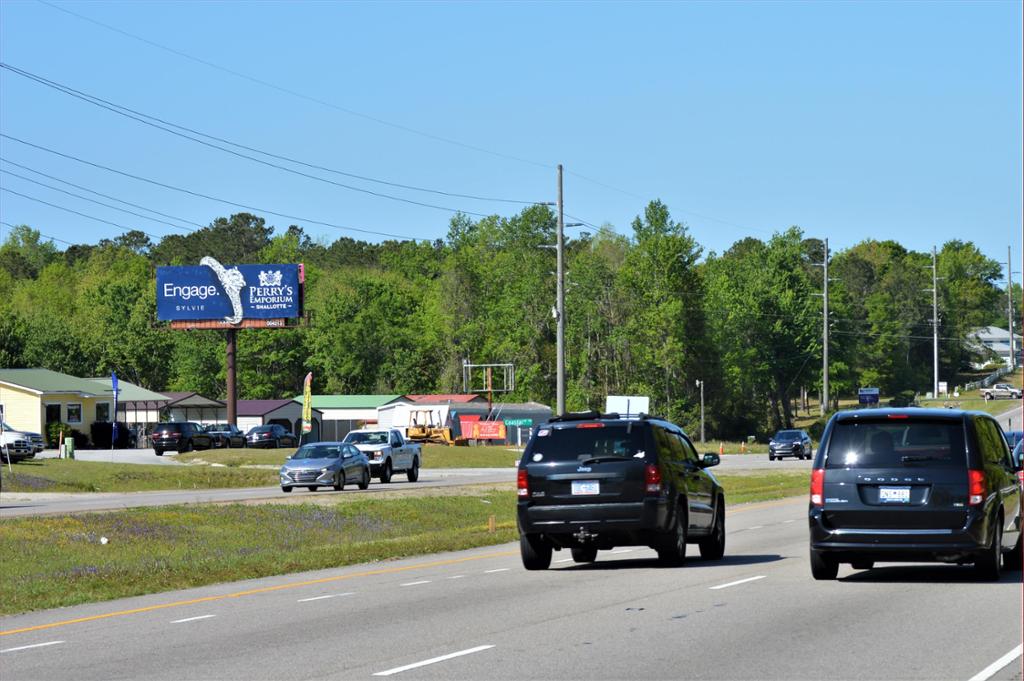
(989, 562)
(823, 566)
(1012, 560)
(584, 554)
(535, 551)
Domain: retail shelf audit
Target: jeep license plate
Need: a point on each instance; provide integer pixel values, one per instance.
(894, 495)
(586, 487)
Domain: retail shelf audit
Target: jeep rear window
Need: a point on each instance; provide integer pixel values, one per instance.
(573, 443)
(897, 444)
(168, 428)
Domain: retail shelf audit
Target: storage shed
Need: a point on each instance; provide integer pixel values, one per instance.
(342, 413)
(288, 413)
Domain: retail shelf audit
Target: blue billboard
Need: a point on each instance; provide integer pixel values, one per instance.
(211, 291)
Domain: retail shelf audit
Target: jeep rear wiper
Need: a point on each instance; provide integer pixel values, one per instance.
(601, 459)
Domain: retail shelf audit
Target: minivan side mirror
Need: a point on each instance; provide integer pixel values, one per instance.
(710, 460)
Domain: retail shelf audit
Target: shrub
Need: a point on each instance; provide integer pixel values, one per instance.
(54, 431)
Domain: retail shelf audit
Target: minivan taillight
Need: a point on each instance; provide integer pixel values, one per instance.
(818, 487)
(652, 479)
(523, 483)
(975, 487)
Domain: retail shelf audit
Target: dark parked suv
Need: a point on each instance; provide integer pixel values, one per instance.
(914, 485)
(182, 436)
(593, 481)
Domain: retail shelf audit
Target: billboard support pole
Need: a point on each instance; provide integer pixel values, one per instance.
(232, 386)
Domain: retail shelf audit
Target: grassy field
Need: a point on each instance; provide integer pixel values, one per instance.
(434, 456)
(59, 561)
(69, 475)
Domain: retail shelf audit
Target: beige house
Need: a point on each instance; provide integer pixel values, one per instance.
(33, 398)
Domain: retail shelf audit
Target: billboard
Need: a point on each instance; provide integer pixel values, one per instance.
(868, 395)
(211, 291)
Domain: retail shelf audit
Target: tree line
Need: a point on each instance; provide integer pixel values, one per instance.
(648, 314)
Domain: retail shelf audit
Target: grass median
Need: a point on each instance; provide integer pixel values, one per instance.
(63, 560)
(68, 475)
(434, 456)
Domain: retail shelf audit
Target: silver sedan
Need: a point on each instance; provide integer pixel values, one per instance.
(325, 464)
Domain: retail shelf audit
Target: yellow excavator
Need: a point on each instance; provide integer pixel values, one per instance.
(423, 427)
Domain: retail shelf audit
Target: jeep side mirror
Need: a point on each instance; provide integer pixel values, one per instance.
(710, 460)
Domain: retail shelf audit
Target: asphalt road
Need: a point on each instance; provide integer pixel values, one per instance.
(756, 614)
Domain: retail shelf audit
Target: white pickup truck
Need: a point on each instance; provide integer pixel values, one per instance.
(1001, 390)
(388, 452)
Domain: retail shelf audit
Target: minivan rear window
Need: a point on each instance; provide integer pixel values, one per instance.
(896, 443)
(577, 443)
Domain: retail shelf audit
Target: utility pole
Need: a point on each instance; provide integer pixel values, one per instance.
(935, 325)
(1009, 307)
(560, 305)
(824, 336)
(701, 384)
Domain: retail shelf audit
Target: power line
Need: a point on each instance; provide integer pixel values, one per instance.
(208, 197)
(351, 112)
(93, 99)
(294, 93)
(47, 236)
(106, 196)
(140, 118)
(86, 198)
(54, 205)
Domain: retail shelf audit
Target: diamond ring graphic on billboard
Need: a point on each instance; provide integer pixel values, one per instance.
(232, 281)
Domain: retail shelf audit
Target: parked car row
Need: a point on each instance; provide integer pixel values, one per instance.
(186, 436)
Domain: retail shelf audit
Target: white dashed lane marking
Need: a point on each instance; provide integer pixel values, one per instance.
(487, 572)
(739, 581)
(456, 577)
(622, 551)
(192, 619)
(991, 670)
(433, 660)
(755, 527)
(422, 581)
(321, 598)
(34, 645)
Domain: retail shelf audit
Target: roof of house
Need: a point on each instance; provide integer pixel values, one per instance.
(994, 333)
(191, 399)
(45, 381)
(349, 401)
(261, 407)
(445, 399)
(128, 392)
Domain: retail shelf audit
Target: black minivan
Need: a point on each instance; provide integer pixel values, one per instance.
(591, 481)
(913, 485)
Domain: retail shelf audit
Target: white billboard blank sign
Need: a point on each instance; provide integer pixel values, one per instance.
(627, 404)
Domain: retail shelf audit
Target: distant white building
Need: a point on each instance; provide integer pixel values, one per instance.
(997, 342)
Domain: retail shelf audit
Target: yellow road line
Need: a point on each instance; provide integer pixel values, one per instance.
(265, 589)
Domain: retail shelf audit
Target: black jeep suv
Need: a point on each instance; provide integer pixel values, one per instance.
(592, 481)
(914, 485)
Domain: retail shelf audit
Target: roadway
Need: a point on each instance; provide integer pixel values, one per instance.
(756, 614)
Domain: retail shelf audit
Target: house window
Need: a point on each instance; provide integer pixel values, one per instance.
(103, 412)
(75, 413)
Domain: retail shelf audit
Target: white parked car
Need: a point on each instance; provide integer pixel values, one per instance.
(1001, 391)
(388, 452)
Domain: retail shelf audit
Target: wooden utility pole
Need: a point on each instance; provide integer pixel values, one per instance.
(560, 306)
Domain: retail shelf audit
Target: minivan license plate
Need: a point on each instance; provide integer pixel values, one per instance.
(586, 487)
(894, 495)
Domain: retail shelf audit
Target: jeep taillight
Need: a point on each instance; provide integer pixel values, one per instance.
(975, 487)
(818, 487)
(652, 479)
(523, 483)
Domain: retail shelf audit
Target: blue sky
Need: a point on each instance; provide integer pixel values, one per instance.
(851, 120)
